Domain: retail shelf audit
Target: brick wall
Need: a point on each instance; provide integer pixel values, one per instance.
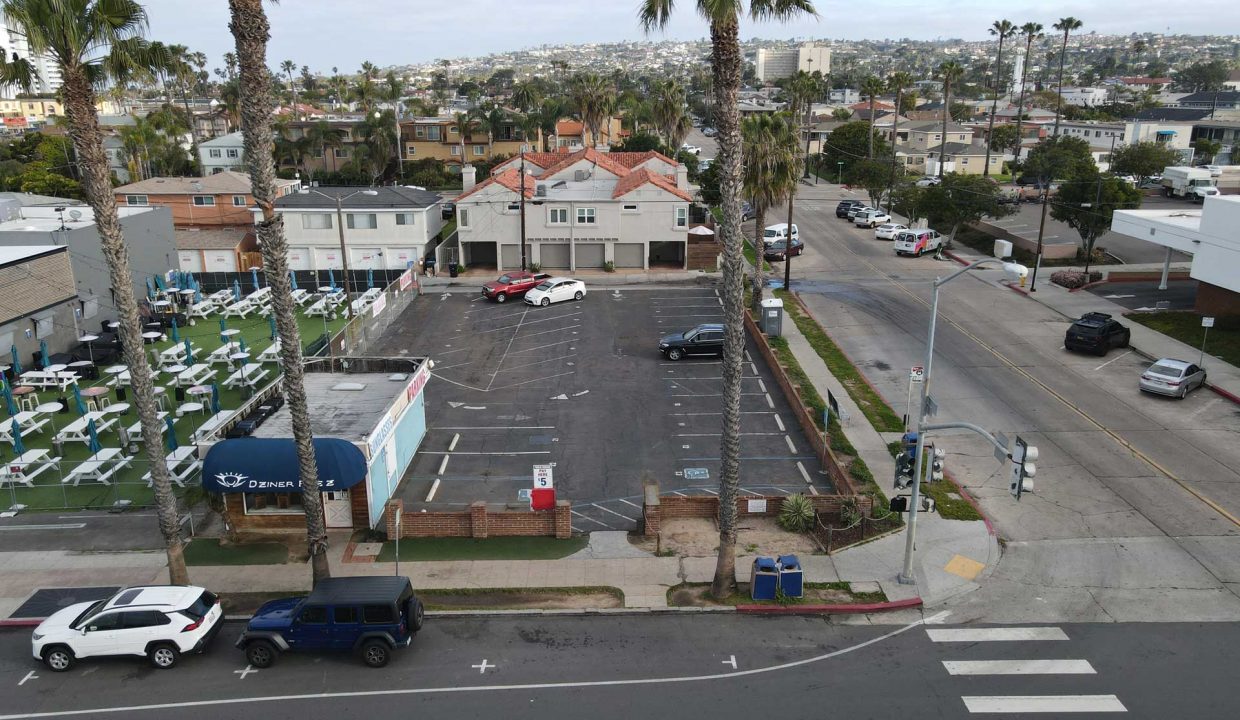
(1214, 300)
(480, 522)
(234, 510)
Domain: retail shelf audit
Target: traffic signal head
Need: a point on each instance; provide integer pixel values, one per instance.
(898, 504)
(904, 470)
(936, 464)
(1023, 468)
(910, 445)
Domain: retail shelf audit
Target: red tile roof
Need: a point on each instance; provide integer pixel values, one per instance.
(878, 105)
(509, 178)
(640, 177)
(603, 160)
(633, 159)
(569, 127)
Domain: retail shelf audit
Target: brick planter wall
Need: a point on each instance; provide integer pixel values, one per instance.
(480, 522)
(670, 507)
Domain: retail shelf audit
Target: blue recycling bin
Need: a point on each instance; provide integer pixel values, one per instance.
(791, 576)
(763, 579)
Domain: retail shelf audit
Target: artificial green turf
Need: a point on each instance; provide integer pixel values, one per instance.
(496, 548)
(1222, 341)
(208, 551)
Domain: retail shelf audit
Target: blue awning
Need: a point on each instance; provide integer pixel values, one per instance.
(270, 465)
(1166, 132)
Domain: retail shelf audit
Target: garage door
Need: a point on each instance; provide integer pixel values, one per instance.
(365, 259)
(511, 256)
(299, 258)
(554, 255)
(590, 255)
(326, 259)
(630, 255)
(191, 260)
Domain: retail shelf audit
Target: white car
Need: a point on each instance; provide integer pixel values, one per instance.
(917, 242)
(553, 290)
(692, 149)
(1215, 170)
(159, 622)
(775, 233)
(888, 231)
(871, 218)
(928, 181)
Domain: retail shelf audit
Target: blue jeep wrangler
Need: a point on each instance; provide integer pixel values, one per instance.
(371, 616)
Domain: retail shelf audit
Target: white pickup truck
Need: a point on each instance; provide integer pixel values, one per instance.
(1189, 182)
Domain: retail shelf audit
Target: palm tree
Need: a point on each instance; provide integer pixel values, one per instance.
(594, 98)
(1065, 25)
(321, 137)
(871, 87)
(464, 125)
(1032, 31)
(897, 83)
(230, 66)
(768, 176)
(250, 28)
(667, 109)
(288, 67)
(1003, 29)
(90, 40)
(949, 72)
(725, 60)
(525, 96)
(801, 89)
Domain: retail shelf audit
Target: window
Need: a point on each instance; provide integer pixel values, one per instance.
(462, 217)
(378, 614)
(43, 327)
(479, 150)
(135, 200)
(144, 618)
(1097, 133)
(405, 218)
(110, 621)
(410, 151)
(419, 131)
(452, 131)
(938, 136)
(557, 216)
(204, 201)
(316, 221)
(585, 216)
(432, 133)
(682, 217)
(313, 615)
(234, 153)
(340, 152)
(239, 201)
(344, 615)
(268, 503)
(629, 208)
(214, 152)
(514, 207)
(456, 150)
(318, 152)
(361, 221)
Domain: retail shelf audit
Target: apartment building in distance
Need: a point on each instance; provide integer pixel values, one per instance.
(771, 65)
(439, 138)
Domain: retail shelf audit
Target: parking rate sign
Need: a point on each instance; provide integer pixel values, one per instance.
(542, 477)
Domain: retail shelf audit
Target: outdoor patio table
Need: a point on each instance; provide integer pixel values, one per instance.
(78, 430)
(100, 467)
(25, 467)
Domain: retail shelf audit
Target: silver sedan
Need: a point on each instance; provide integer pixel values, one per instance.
(1172, 377)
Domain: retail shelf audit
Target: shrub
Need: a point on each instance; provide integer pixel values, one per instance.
(535, 267)
(796, 514)
(609, 266)
(1073, 279)
(850, 512)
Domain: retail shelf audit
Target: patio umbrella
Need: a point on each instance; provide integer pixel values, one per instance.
(197, 295)
(236, 289)
(19, 448)
(95, 445)
(17, 364)
(159, 283)
(171, 438)
(77, 401)
(271, 320)
(215, 398)
(176, 335)
(223, 327)
(241, 344)
(43, 353)
(292, 278)
(8, 398)
(370, 278)
(254, 277)
(331, 278)
(189, 353)
(150, 289)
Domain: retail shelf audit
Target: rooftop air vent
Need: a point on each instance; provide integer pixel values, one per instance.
(349, 386)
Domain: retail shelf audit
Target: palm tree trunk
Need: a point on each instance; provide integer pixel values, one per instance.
(994, 106)
(895, 156)
(759, 274)
(1020, 104)
(947, 104)
(726, 66)
(79, 101)
(1063, 53)
(869, 153)
(250, 27)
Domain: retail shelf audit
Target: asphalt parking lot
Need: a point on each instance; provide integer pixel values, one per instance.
(581, 386)
(1145, 295)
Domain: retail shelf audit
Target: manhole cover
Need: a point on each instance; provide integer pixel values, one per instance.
(47, 601)
(697, 474)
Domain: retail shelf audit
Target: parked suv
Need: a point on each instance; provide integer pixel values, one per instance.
(701, 340)
(158, 621)
(371, 616)
(841, 210)
(1096, 333)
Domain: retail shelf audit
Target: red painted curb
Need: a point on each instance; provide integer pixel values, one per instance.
(24, 622)
(990, 528)
(1223, 393)
(1087, 286)
(955, 257)
(853, 609)
(1019, 291)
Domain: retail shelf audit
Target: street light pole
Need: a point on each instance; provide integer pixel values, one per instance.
(521, 193)
(344, 258)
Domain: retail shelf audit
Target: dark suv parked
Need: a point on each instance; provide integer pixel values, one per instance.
(371, 616)
(701, 340)
(841, 210)
(1096, 333)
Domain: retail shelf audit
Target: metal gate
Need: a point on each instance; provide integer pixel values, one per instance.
(591, 255)
(554, 255)
(630, 255)
(337, 510)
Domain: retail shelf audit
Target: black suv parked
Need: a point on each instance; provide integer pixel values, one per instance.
(1096, 333)
(841, 210)
(701, 340)
(371, 616)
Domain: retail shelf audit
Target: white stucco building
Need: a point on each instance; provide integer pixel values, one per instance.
(772, 65)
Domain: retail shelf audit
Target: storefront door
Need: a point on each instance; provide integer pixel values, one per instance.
(337, 510)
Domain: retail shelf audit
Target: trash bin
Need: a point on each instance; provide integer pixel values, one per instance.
(453, 269)
(773, 317)
(179, 393)
(120, 394)
(763, 579)
(791, 577)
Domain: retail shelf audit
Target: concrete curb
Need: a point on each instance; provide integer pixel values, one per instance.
(1224, 393)
(847, 609)
(21, 622)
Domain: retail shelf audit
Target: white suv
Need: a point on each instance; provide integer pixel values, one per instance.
(157, 621)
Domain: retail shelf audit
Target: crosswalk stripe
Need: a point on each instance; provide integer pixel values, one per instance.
(1043, 703)
(1018, 667)
(1007, 634)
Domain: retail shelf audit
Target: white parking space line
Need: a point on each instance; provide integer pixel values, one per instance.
(536, 362)
(527, 382)
(626, 502)
(681, 364)
(743, 412)
(996, 634)
(779, 421)
(1043, 704)
(452, 445)
(527, 336)
(541, 347)
(768, 397)
(753, 368)
(804, 473)
(613, 512)
(761, 385)
(677, 492)
(507, 347)
(441, 368)
(791, 448)
(748, 357)
(531, 322)
(1108, 362)
(59, 526)
(1019, 667)
(587, 517)
(711, 377)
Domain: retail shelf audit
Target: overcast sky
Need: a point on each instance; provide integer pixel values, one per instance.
(343, 33)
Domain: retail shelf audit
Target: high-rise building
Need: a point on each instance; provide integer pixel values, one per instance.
(47, 73)
(775, 64)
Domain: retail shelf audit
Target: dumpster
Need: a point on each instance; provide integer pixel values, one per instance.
(763, 579)
(773, 317)
(791, 577)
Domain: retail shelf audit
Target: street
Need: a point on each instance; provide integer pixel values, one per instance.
(724, 666)
(1136, 496)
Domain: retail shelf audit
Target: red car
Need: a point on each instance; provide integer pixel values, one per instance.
(512, 284)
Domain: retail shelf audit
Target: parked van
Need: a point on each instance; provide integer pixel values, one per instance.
(775, 233)
(916, 242)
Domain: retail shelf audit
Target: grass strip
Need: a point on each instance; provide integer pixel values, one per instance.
(949, 508)
(208, 551)
(1223, 340)
(496, 548)
(872, 406)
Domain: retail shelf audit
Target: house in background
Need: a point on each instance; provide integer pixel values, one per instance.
(41, 302)
(438, 138)
(226, 152)
(220, 199)
(573, 135)
(221, 249)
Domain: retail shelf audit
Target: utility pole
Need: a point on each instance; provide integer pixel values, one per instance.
(344, 258)
(521, 193)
